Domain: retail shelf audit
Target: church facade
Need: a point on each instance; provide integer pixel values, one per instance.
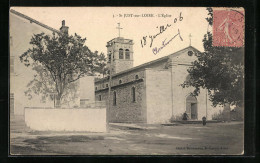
(151, 92)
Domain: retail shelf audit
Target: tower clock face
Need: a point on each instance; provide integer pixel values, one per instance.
(190, 53)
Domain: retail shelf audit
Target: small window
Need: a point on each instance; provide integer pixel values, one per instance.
(99, 97)
(114, 98)
(106, 85)
(120, 81)
(96, 88)
(136, 77)
(109, 57)
(103, 85)
(121, 54)
(127, 54)
(133, 94)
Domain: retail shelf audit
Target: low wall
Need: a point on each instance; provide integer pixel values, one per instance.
(92, 120)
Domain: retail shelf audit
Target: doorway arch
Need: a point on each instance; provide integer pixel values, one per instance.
(192, 107)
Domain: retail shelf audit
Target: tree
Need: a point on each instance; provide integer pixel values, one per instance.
(220, 70)
(59, 61)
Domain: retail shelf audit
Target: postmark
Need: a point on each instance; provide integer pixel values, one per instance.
(228, 27)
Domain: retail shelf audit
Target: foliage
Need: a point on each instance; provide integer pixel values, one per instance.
(59, 61)
(220, 70)
(218, 116)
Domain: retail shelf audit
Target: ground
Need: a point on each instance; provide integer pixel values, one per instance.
(130, 139)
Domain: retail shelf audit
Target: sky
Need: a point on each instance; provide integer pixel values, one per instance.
(99, 25)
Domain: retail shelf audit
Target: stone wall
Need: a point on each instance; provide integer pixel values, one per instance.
(125, 78)
(122, 64)
(125, 109)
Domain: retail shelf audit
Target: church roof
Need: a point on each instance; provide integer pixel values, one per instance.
(34, 21)
(175, 54)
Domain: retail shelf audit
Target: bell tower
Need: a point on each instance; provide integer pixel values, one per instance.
(122, 52)
(119, 53)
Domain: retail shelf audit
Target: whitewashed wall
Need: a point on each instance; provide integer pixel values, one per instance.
(21, 32)
(92, 120)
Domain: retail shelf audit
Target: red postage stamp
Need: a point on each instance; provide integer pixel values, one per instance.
(228, 27)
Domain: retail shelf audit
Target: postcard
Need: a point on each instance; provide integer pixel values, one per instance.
(126, 81)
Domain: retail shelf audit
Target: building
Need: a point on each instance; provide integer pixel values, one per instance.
(22, 29)
(151, 92)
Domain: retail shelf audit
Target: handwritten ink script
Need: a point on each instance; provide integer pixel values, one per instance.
(165, 43)
(149, 39)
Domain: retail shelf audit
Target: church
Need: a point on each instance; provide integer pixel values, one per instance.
(151, 92)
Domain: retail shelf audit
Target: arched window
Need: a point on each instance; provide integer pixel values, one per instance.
(106, 85)
(99, 97)
(114, 98)
(127, 54)
(121, 54)
(120, 81)
(136, 77)
(133, 94)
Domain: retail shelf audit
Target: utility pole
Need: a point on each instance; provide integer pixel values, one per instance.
(206, 104)
(110, 85)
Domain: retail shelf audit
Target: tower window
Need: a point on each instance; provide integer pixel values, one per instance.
(120, 81)
(114, 98)
(133, 94)
(136, 77)
(99, 97)
(109, 57)
(127, 54)
(121, 54)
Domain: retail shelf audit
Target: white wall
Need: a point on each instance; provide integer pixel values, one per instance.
(92, 120)
(179, 72)
(87, 88)
(21, 32)
(158, 96)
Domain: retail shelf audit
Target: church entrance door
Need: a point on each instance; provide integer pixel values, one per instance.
(193, 111)
(191, 107)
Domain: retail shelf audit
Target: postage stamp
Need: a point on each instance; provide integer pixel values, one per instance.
(228, 27)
